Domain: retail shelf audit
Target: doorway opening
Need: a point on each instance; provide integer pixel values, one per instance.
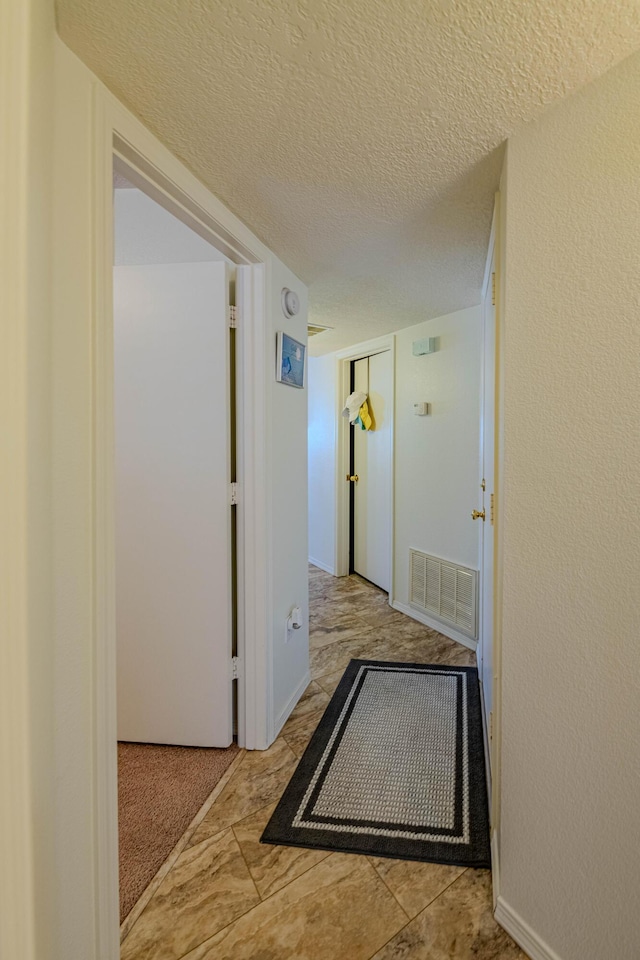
(122, 146)
(176, 560)
(370, 471)
(364, 507)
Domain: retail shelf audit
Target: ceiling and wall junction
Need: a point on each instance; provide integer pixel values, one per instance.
(360, 140)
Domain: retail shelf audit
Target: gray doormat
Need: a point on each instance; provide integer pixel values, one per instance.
(395, 768)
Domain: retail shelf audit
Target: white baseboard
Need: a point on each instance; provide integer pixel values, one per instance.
(443, 628)
(525, 937)
(495, 867)
(291, 703)
(323, 566)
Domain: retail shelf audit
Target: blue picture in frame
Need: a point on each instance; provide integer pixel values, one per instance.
(291, 360)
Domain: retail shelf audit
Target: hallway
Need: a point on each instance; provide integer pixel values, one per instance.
(228, 896)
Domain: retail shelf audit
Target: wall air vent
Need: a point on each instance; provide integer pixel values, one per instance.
(314, 328)
(444, 590)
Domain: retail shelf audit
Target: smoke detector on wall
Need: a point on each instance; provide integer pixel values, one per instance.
(290, 302)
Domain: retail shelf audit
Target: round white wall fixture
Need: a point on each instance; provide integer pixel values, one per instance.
(290, 302)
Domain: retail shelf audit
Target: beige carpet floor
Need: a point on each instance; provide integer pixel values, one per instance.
(160, 790)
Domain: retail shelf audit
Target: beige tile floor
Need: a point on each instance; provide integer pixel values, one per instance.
(229, 896)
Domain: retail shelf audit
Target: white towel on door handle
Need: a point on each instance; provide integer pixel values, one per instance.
(352, 405)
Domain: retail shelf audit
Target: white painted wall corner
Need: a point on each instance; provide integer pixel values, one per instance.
(442, 628)
(290, 705)
(525, 937)
(323, 566)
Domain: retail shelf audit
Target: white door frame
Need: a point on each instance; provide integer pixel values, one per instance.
(26, 890)
(493, 744)
(147, 163)
(344, 359)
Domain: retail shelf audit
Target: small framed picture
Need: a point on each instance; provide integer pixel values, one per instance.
(290, 360)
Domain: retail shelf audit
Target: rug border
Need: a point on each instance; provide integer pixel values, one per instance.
(280, 830)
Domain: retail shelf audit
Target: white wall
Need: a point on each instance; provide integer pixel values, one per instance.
(288, 468)
(322, 459)
(144, 232)
(570, 831)
(437, 457)
(81, 105)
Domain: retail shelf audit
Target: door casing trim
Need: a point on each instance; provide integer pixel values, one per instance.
(117, 134)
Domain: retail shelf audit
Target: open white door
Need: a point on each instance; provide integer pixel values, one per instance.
(173, 514)
(372, 465)
(485, 650)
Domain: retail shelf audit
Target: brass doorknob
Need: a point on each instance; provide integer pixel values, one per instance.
(355, 477)
(477, 515)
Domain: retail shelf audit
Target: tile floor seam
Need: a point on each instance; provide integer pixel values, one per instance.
(244, 913)
(291, 748)
(437, 897)
(211, 936)
(404, 927)
(253, 813)
(179, 848)
(293, 879)
(233, 822)
(247, 912)
(227, 925)
(300, 721)
(323, 646)
(387, 942)
(360, 621)
(322, 675)
(317, 716)
(380, 877)
(284, 886)
(244, 859)
(387, 642)
(329, 854)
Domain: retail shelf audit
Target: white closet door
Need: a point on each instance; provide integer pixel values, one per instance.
(173, 518)
(372, 462)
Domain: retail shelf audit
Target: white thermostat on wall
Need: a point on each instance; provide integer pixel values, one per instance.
(290, 302)
(421, 409)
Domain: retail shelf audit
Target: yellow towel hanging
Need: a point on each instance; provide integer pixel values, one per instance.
(366, 420)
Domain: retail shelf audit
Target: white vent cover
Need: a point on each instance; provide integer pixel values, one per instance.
(445, 590)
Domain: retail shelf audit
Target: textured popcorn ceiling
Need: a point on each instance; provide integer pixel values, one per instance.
(359, 139)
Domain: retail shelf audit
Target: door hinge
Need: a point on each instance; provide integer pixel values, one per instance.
(493, 289)
(235, 668)
(491, 725)
(483, 485)
(233, 317)
(492, 496)
(233, 493)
